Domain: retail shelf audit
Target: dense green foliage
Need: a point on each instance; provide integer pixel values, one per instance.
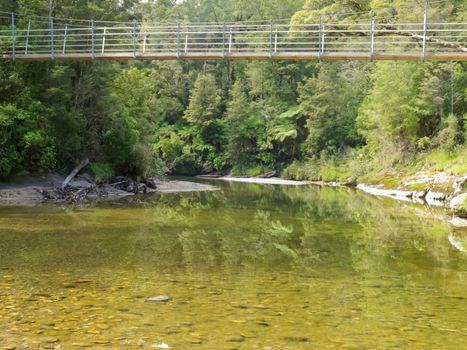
(331, 121)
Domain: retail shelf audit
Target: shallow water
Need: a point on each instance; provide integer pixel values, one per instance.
(248, 267)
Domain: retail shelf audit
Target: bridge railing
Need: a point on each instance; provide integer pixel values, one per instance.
(25, 37)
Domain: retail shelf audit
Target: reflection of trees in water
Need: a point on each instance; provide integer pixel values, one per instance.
(243, 226)
(312, 227)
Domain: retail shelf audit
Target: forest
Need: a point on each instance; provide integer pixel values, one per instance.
(331, 121)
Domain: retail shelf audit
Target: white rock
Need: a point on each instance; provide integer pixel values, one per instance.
(457, 200)
(458, 222)
(458, 184)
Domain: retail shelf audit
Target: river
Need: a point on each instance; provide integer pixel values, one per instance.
(246, 267)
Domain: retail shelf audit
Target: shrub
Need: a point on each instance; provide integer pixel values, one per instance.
(102, 171)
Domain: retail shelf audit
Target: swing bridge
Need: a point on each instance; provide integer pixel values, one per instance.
(23, 39)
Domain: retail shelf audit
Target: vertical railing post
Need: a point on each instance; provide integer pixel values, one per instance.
(103, 40)
(230, 40)
(372, 38)
(321, 38)
(64, 39)
(179, 38)
(223, 40)
(144, 42)
(13, 47)
(270, 38)
(425, 29)
(52, 38)
(93, 54)
(275, 41)
(134, 38)
(27, 38)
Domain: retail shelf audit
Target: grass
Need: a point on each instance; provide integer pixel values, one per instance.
(417, 187)
(334, 173)
(439, 160)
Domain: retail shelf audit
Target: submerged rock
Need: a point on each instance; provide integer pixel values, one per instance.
(236, 339)
(159, 298)
(161, 346)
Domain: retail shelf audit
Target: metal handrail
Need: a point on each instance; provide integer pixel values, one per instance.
(38, 40)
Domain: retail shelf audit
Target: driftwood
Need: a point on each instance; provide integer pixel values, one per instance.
(87, 188)
(70, 194)
(75, 172)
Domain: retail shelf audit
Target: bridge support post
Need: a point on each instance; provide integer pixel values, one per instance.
(425, 29)
(144, 42)
(134, 39)
(93, 54)
(52, 38)
(179, 39)
(275, 41)
(270, 38)
(321, 38)
(223, 40)
(13, 47)
(64, 39)
(230, 41)
(27, 38)
(372, 38)
(103, 40)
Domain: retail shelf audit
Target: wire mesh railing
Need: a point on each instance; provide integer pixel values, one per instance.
(23, 38)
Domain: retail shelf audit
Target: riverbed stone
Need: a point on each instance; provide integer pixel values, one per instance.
(458, 185)
(458, 201)
(159, 298)
(458, 222)
(236, 339)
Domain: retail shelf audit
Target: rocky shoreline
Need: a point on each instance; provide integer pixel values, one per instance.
(440, 190)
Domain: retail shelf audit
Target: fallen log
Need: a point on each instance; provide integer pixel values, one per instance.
(75, 172)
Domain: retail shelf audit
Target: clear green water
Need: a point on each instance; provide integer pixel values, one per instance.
(247, 267)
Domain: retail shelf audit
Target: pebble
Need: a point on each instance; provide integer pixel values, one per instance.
(298, 339)
(236, 339)
(159, 298)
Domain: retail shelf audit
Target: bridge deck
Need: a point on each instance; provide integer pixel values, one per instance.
(26, 39)
(290, 56)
